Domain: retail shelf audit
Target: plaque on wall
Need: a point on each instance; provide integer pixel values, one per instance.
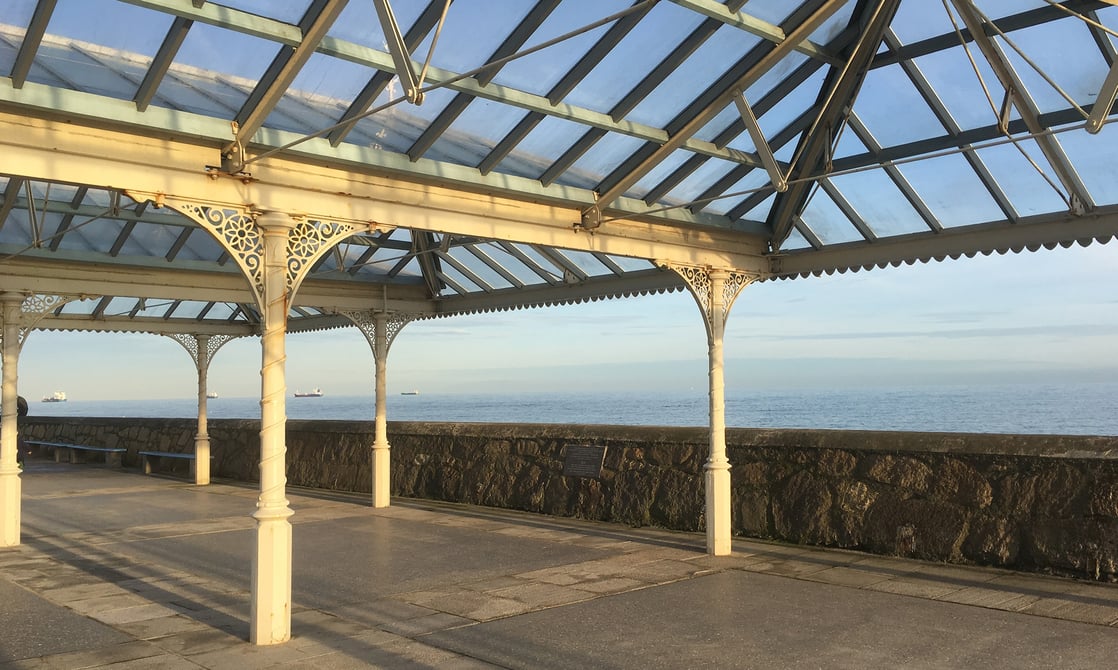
(583, 460)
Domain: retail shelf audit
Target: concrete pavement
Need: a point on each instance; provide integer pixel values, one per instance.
(122, 570)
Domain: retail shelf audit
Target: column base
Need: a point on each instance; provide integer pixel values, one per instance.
(271, 581)
(10, 507)
(382, 475)
(718, 509)
(202, 460)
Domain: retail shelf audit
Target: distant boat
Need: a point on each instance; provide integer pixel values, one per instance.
(211, 394)
(316, 393)
(410, 393)
(57, 396)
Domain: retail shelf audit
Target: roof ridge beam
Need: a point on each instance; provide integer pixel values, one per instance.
(755, 26)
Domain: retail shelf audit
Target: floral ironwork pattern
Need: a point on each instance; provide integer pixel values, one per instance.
(236, 231)
(366, 322)
(699, 281)
(35, 306)
(307, 242)
(190, 343)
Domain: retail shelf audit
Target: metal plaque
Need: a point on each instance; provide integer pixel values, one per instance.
(583, 460)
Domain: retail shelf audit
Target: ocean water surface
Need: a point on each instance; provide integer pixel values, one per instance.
(1070, 409)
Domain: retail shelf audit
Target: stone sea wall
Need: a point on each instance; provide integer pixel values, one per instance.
(1038, 503)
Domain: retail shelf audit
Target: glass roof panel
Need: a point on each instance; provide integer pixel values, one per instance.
(783, 113)
(659, 173)
(546, 263)
(481, 126)
(661, 31)
(774, 76)
(761, 211)
(539, 149)
(288, 11)
(772, 11)
(586, 261)
(725, 47)
(189, 90)
(602, 159)
(100, 22)
(833, 25)
(876, 198)
(755, 179)
(18, 13)
(331, 80)
(509, 262)
(827, 221)
(539, 72)
(479, 268)
(849, 144)
(16, 230)
(227, 52)
(893, 110)
(952, 77)
(1077, 66)
(149, 240)
(82, 67)
(699, 181)
(915, 21)
(92, 237)
(358, 22)
(472, 32)
(1092, 156)
(199, 246)
(952, 191)
(794, 242)
(1027, 190)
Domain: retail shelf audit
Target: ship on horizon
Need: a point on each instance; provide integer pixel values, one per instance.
(57, 396)
(315, 393)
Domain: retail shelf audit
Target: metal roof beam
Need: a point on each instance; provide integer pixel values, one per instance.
(842, 86)
(598, 51)
(510, 46)
(283, 70)
(1080, 200)
(494, 265)
(162, 62)
(31, 41)
(372, 90)
(700, 118)
(11, 197)
(924, 87)
(754, 26)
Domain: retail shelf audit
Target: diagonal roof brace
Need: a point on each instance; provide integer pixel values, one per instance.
(1104, 101)
(400, 56)
(764, 152)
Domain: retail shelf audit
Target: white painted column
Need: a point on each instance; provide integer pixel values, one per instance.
(381, 457)
(717, 468)
(10, 484)
(271, 565)
(202, 438)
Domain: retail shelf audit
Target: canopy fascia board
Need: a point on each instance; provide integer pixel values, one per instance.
(149, 325)
(648, 281)
(159, 167)
(1028, 233)
(33, 275)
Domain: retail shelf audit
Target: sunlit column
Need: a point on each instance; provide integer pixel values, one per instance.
(10, 485)
(717, 467)
(271, 565)
(381, 450)
(202, 439)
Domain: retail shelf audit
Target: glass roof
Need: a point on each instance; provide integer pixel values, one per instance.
(904, 129)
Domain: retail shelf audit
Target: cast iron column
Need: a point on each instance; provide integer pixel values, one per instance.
(271, 564)
(10, 484)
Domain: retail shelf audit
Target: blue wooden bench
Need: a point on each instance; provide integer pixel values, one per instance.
(64, 452)
(149, 459)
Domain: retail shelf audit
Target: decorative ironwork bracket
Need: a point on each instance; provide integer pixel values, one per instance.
(35, 307)
(715, 289)
(365, 320)
(201, 358)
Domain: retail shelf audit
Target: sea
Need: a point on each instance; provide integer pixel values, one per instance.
(1068, 409)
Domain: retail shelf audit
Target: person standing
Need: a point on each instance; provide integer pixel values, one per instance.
(21, 411)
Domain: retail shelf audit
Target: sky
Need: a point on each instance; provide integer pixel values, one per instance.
(1045, 317)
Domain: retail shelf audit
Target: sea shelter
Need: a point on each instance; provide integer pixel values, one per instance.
(217, 169)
